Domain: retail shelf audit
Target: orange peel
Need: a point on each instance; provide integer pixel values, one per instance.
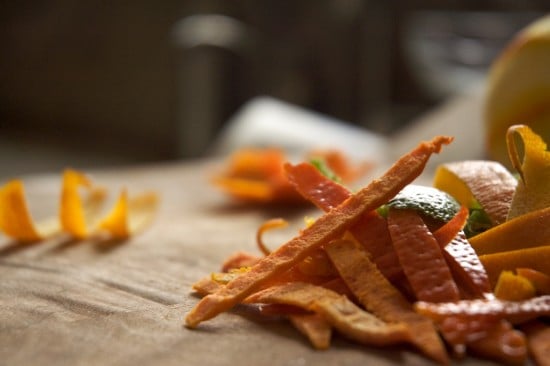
(488, 182)
(15, 218)
(540, 281)
(129, 216)
(536, 258)
(525, 231)
(513, 287)
(329, 226)
(338, 310)
(72, 215)
(79, 212)
(532, 191)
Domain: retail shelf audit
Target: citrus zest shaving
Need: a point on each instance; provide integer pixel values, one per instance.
(268, 225)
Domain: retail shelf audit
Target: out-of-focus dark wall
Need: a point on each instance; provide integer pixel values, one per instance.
(130, 77)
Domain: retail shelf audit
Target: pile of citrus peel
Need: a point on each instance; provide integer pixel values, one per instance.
(257, 175)
(80, 212)
(458, 268)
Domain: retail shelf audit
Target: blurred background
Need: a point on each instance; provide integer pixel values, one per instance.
(89, 83)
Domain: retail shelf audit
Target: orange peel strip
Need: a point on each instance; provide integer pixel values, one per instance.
(473, 313)
(371, 231)
(266, 226)
(538, 341)
(446, 233)
(246, 189)
(257, 176)
(206, 286)
(377, 295)
(341, 166)
(525, 231)
(421, 257)
(467, 268)
(534, 258)
(540, 280)
(501, 343)
(534, 169)
(129, 216)
(239, 260)
(513, 287)
(476, 322)
(315, 187)
(314, 327)
(72, 215)
(338, 310)
(489, 182)
(329, 226)
(15, 218)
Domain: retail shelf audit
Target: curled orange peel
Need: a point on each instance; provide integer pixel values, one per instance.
(533, 167)
(71, 212)
(15, 218)
(129, 216)
(80, 213)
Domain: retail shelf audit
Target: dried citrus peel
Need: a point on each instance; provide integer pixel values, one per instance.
(486, 182)
(501, 343)
(532, 192)
(371, 230)
(338, 310)
(421, 257)
(540, 281)
(329, 226)
(513, 287)
(314, 327)
(534, 258)
(538, 339)
(257, 176)
(377, 295)
(529, 230)
(475, 312)
(266, 226)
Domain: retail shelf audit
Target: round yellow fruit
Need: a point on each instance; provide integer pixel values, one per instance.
(518, 88)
